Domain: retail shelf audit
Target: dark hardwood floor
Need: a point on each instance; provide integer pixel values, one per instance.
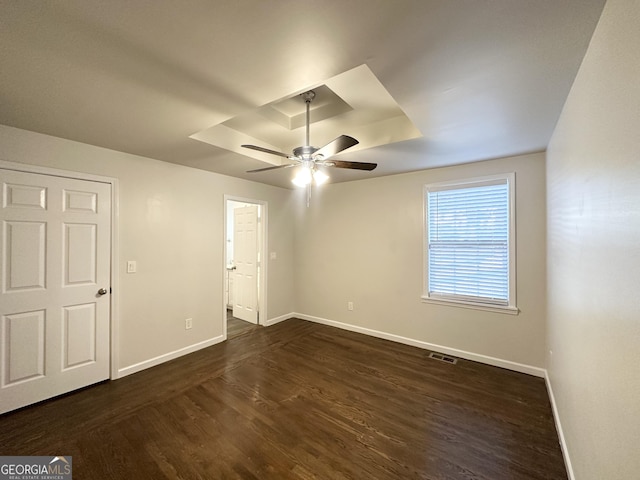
(300, 400)
(237, 327)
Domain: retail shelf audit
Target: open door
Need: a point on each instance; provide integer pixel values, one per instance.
(245, 257)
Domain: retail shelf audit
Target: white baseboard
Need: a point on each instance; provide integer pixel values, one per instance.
(281, 318)
(556, 418)
(152, 362)
(496, 362)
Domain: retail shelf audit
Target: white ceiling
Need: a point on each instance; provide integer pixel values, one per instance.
(478, 78)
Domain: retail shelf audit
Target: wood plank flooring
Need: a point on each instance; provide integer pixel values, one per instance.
(237, 327)
(300, 400)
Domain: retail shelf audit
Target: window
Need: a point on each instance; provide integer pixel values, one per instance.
(469, 242)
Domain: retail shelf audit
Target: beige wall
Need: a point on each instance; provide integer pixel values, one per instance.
(171, 223)
(362, 242)
(593, 172)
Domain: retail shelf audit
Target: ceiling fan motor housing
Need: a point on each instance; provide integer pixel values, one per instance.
(305, 152)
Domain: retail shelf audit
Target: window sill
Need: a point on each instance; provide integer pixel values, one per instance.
(509, 310)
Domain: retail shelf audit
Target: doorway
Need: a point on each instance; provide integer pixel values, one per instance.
(244, 269)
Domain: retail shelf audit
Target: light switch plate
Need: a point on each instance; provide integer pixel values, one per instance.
(131, 266)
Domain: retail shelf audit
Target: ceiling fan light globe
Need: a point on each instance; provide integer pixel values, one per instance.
(298, 182)
(303, 177)
(320, 178)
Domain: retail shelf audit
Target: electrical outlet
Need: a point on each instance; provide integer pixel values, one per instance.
(350, 306)
(188, 323)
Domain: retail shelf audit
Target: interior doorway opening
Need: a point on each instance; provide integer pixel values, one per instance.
(244, 268)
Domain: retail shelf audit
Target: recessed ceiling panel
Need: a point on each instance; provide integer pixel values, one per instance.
(291, 113)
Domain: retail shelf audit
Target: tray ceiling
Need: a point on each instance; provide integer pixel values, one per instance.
(163, 79)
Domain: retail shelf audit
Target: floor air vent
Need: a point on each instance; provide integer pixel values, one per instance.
(443, 358)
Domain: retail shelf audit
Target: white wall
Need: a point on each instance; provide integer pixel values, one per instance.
(171, 223)
(362, 242)
(593, 175)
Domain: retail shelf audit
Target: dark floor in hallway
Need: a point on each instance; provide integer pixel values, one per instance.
(237, 327)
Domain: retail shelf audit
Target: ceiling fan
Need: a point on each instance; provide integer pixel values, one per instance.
(310, 158)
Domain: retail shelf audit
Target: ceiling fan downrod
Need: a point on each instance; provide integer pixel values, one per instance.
(308, 97)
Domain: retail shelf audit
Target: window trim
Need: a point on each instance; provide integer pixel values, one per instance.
(510, 307)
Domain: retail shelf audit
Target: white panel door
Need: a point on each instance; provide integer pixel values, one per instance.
(55, 249)
(245, 259)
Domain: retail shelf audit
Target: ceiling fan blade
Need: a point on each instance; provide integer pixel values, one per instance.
(272, 168)
(351, 165)
(266, 150)
(336, 146)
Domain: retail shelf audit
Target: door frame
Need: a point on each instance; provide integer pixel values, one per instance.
(262, 276)
(114, 312)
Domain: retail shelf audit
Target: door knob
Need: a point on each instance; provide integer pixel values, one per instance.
(103, 291)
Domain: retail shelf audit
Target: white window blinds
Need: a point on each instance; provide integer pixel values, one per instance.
(468, 242)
